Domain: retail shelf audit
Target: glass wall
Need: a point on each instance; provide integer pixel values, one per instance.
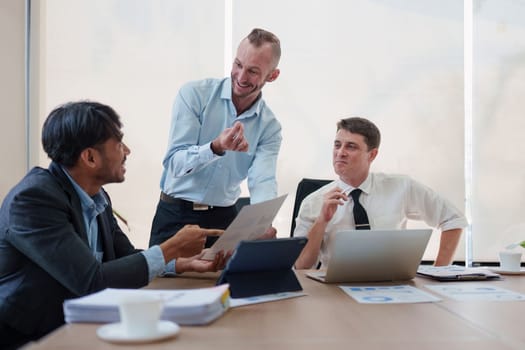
(132, 55)
(396, 62)
(498, 203)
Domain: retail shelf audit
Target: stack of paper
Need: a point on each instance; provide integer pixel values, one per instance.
(184, 306)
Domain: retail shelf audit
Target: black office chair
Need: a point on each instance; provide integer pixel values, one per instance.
(304, 188)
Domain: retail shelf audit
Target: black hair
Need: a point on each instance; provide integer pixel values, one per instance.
(75, 126)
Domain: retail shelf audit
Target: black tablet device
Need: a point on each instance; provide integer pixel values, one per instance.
(263, 267)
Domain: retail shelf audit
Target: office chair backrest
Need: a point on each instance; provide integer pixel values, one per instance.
(304, 188)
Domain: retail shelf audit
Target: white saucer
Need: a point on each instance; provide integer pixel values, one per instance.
(114, 333)
(507, 272)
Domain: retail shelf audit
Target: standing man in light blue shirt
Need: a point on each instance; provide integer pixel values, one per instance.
(222, 132)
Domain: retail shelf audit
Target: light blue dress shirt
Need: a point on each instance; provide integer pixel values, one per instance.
(201, 111)
(91, 208)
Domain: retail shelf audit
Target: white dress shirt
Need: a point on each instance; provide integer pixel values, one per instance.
(389, 200)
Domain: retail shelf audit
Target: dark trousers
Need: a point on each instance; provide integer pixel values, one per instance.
(172, 215)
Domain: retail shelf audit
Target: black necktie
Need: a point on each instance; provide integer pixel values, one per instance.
(360, 217)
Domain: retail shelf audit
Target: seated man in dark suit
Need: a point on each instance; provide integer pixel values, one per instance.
(58, 237)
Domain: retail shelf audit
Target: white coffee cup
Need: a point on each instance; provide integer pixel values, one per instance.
(510, 260)
(140, 314)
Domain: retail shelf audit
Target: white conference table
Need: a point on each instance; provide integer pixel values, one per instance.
(327, 318)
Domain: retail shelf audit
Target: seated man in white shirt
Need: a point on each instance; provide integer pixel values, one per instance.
(389, 200)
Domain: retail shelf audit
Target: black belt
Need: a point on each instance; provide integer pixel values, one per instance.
(187, 204)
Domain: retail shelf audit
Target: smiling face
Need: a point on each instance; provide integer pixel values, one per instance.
(112, 156)
(351, 157)
(252, 68)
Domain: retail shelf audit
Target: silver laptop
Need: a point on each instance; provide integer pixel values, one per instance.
(374, 255)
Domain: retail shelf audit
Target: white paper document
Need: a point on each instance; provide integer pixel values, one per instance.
(475, 292)
(388, 294)
(183, 306)
(251, 222)
(236, 302)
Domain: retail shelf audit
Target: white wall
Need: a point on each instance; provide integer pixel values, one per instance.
(12, 102)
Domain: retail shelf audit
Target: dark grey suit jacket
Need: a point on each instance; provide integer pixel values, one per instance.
(45, 257)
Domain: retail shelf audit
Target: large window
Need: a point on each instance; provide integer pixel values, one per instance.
(396, 62)
(498, 202)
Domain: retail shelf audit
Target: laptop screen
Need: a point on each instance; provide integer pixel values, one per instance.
(376, 255)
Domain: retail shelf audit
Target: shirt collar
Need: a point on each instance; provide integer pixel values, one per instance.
(253, 111)
(96, 204)
(366, 186)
